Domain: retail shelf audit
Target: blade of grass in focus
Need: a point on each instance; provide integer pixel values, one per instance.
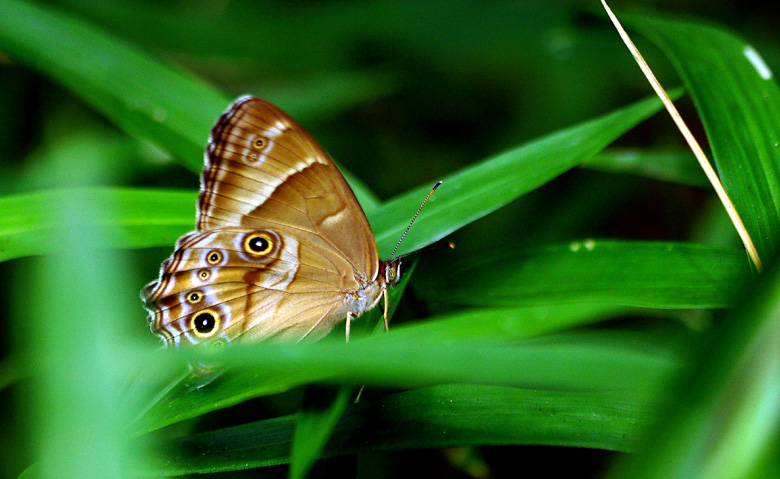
(738, 100)
(630, 273)
(439, 416)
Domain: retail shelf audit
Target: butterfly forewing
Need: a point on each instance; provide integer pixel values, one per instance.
(263, 170)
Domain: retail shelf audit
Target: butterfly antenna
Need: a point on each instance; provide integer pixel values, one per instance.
(438, 184)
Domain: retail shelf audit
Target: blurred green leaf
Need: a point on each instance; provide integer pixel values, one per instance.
(132, 218)
(605, 361)
(32, 472)
(144, 97)
(727, 411)
(739, 103)
(82, 357)
(171, 108)
(439, 416)
(631, 273)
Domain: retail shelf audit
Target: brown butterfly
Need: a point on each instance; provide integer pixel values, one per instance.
(282, 248)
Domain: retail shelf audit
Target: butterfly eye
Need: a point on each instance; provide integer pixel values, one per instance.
(258, 143)
(258, 244)
(204, 323)
(393, 273)
(204, 274)
(194, 297)
(214, 257)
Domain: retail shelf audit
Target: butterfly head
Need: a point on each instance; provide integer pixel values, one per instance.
(391, 271)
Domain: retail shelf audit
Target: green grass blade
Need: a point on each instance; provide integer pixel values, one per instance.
(32, 472)
(738, 101)
(70, 318)
(170, 108)
(672, 167)
(315, 422)
(508, 324)
(135, 218)
(631, 273)
(605, 361)
(482, 188)
(727, 414)
(439, 416)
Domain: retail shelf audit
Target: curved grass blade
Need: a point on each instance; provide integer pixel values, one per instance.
(482, 188)
(738, 100)
(144, 97)
(439, 416)
(508, 324)
(630, 273)
(315, 422)
(672, 167)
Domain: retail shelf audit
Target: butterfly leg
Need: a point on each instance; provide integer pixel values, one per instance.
(387, 306)
(349, 320)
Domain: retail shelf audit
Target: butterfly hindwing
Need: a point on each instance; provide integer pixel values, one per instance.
(233, 282)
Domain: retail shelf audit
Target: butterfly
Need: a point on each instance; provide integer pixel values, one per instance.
(282, 248)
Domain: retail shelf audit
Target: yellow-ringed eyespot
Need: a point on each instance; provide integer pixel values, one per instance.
(194, 297)
(258, 143)
(258, 244)
(205, 323)
(214, 257)
(204, 274)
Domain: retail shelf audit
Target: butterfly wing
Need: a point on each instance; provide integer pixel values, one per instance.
(264, 171)
(281, 240)
(220, 286)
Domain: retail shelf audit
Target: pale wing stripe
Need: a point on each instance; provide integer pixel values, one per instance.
(255, 194)
(315, 152)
